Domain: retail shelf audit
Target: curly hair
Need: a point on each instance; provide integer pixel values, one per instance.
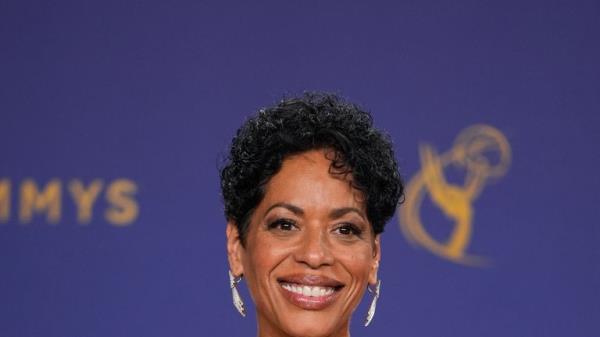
(299, 124)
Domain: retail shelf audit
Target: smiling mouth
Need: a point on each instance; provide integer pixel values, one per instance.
(310, 292)
(305, 290)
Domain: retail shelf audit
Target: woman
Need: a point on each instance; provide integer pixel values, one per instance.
(308, 187)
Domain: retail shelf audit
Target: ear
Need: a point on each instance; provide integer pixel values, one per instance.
(234, 249)
(376, 259)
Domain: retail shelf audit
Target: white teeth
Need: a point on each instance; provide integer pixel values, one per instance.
(318, 291)
(308, 291)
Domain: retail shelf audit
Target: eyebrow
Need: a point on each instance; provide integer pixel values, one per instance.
(292, 208)
(340, 212)
(334, 214)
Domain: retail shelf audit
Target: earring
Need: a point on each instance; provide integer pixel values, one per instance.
(375, 292)
(237, 300)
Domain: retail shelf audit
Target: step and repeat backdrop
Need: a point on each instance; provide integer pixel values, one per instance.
(116, 115)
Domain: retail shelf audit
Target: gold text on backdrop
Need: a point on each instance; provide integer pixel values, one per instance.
(122, 207)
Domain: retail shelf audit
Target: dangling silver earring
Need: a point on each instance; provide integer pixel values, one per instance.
(375, 292)
(237, 300)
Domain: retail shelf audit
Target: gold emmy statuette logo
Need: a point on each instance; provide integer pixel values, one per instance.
(483, 152)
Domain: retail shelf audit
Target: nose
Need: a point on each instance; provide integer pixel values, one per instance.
(314, 250)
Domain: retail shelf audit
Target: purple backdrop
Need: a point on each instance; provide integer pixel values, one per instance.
(144, 96)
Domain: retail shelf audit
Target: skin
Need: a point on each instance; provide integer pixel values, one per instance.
(307, 225)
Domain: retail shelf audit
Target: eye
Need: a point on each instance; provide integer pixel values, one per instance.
(348, 229)
(283, 225)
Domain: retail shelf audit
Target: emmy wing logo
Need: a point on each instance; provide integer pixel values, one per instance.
(481, 152)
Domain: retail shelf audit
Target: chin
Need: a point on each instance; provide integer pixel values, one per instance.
(314, 324)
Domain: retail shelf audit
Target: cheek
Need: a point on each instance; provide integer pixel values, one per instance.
(358, 262)
(261, 259)
(259, 263)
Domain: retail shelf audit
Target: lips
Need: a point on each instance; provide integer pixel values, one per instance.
(310, 292)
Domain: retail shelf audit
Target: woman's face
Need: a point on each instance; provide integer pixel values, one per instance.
(310, 250)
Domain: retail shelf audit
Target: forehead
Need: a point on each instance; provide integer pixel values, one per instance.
(305, 181)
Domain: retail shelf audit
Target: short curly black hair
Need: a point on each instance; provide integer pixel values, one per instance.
(298, 124)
